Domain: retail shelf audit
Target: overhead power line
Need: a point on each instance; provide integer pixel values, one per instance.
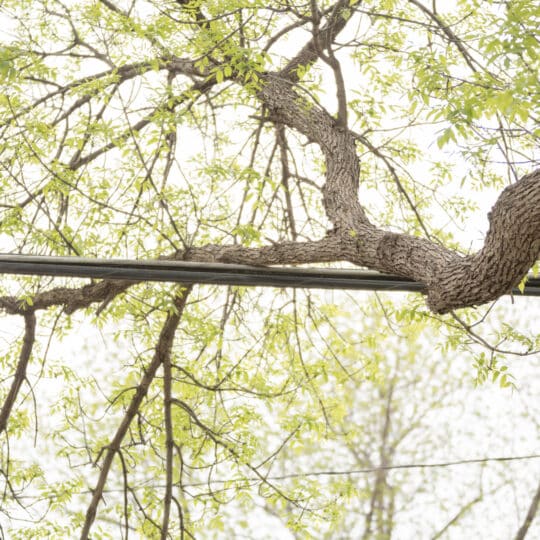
(218, 274)
(368, 470)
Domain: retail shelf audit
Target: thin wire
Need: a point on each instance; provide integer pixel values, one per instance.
(408, 466)
(373, 469)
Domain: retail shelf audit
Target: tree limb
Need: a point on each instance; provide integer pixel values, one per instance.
(20, 372)
(162, 351)
(533, 509)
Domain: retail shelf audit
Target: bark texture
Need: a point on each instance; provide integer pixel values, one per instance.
(452, 281)
(511, 247)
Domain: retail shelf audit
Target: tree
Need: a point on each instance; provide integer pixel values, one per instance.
(242, 132)
(372, 473)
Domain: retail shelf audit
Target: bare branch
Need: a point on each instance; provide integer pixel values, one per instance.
(20, 372)
(531, 514)
(169, 444)
(311, 51)
(162, 351)
(448, 33)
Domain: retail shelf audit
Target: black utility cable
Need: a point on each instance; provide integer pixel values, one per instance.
(217, 274)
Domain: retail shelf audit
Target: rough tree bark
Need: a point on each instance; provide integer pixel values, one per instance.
(51, 113)
(452, 280)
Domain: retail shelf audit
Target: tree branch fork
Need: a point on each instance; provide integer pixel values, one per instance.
(511, 247)
(512, 244)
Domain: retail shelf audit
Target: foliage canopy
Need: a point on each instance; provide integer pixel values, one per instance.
(376, 133)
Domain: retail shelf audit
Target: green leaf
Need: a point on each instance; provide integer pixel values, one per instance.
(447, 136)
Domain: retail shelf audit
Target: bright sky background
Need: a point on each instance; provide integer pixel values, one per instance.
(506, 415)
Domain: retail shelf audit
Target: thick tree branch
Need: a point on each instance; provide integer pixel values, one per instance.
(283, 253)
(339, 193)
(511, 247)
(453, 281)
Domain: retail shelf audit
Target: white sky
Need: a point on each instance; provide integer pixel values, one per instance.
(504, 429)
